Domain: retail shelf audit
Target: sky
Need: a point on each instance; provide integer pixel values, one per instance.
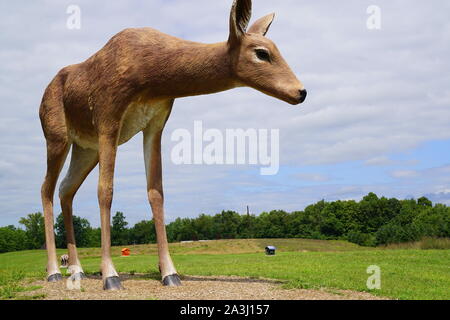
(377, 116)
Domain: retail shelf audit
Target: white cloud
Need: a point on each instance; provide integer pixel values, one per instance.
(383, 161)
(379, 161)
(313, 177)
(404, 174)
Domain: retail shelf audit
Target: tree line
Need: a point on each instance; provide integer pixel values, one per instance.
(370, 222)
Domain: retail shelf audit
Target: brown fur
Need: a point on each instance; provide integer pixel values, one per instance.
(129, 86)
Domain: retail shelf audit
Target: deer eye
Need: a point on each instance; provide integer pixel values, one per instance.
(262, 55)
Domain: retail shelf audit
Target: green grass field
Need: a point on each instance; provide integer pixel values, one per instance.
(405, 273)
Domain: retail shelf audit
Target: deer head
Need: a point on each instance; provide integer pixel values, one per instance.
(256, 60)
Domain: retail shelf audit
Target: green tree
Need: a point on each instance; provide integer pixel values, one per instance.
(309, 221)
(362, 239)
(333, 221)
(12, 239)
(375, 212)
(395, 233)
(142, 232)
(401, 227)
(247, 228)
(204, 226)
(226, 224)
(433, 221)
(424, 201)
(35, 230)
(273, 224)
(119, 231)
(95, 237)
(173, 230)
(81, 227)
(187, 230)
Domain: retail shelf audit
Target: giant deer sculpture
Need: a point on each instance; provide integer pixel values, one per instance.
(130, 86)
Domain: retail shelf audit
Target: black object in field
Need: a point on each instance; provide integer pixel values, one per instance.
(270, 250)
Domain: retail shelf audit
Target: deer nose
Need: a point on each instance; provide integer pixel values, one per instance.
(303, 94)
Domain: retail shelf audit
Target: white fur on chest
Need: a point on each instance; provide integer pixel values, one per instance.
(139, 115)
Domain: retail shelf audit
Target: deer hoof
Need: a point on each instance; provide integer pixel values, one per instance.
(112, 283)
(55, 277)
(172, 281)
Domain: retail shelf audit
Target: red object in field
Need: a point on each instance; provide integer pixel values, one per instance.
(125, 252)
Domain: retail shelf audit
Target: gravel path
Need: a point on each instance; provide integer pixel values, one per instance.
(193, 288)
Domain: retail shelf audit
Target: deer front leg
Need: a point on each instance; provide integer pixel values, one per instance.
(107, 157)
(152, 154)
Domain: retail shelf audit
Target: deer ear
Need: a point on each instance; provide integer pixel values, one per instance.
(241, 12)
(262, 25)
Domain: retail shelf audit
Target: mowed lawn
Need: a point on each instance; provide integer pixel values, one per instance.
(405, 274)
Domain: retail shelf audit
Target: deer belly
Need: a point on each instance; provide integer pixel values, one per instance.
(86, 141)
(137, 118)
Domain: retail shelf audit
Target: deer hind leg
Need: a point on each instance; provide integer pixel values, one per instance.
(107, 157)
(81, 164)
(57, 150)
(153, 168)
(53, 123)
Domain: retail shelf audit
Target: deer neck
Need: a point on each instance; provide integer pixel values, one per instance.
(197, 69)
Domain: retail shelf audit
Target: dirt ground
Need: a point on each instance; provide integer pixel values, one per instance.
(137, 287)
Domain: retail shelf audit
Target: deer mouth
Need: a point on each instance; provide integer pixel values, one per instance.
(293, 99)
(298, 99)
